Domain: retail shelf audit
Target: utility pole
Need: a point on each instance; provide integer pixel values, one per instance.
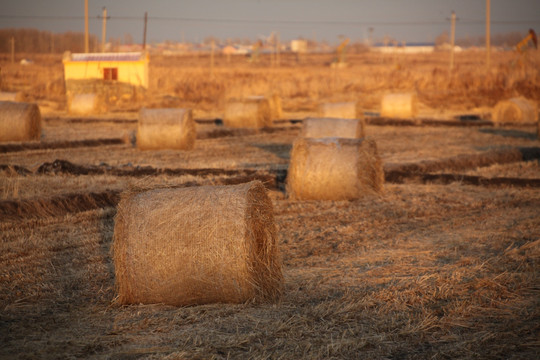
(277, 49)
(213, 45)
(144, 34)
(452, 40)
(12, 49)
(488, 35)
(104, 30)
(86, 46)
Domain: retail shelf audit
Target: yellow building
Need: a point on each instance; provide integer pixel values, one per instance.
(129, 68)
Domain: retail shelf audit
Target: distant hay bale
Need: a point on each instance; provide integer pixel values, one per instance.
(19, 121)
(331, 127)
(334, 169)
(197, 245)
(12, 96)
(276, 108)
(515, 110)
(166, 129)
(342, 110)
(253, 112)
(85, 104)
(400, 105)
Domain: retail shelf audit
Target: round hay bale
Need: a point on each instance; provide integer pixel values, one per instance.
(84, 104)
(342, 110)
(515, 110)
(166, 129)
(331, 127)
(334, 169)
(252, 113)
(19, 121)
(276, 108)
(197, 245)
(12, 96)
(400, 105)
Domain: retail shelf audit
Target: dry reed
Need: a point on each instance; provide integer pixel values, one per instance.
(254, 112)
(399, 105)
(517, 109)
(166, 129)
(334, 169)
(19, 121)
(333, 127)
(197, 245)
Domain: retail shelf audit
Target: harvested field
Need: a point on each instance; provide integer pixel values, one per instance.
(444, 263)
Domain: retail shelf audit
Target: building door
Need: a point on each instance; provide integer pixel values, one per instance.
(110, 74)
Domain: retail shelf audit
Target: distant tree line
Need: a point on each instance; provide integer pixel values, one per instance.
(44, 42)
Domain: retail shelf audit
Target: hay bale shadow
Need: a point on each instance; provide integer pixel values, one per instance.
(510, 133)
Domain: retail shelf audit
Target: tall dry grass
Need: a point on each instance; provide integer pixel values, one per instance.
(303, 84)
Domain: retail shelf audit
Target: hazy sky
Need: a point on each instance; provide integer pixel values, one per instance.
(193, 20)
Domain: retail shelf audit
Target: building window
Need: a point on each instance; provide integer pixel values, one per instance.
(110, 74)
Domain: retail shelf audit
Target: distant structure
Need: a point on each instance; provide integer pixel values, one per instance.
(404, 48)
(113, 77)
(130, 68)
(299, 46)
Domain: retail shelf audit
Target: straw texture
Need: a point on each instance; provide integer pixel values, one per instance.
(166, 129)
(334, 169)
(342, 110)
(252, 112)
(400, 105)
(515, 110)
(197, 245)
(330, 127)
(19, 121)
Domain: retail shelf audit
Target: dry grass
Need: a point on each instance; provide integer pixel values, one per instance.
(425, 271)
(302, 86)
(420, 271)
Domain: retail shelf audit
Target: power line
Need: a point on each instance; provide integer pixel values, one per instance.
(274, 21)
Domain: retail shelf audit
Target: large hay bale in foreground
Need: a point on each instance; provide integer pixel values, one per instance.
(252, 112)
(84, 104)
(334, 169)
(197, 245)
(166, 129)
(341, 110)
(515, 110)
(400, 105)
(19, 121)
(331, 127)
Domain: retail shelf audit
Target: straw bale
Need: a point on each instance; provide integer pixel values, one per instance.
(253, 112)
(85, 104)
(517, 109)
(334, 169)
(197, 245)
(399, 105)
(276, 108)
(19, 121)
(342, 110)
(12, 96)
(166, 129)
(331, 127)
